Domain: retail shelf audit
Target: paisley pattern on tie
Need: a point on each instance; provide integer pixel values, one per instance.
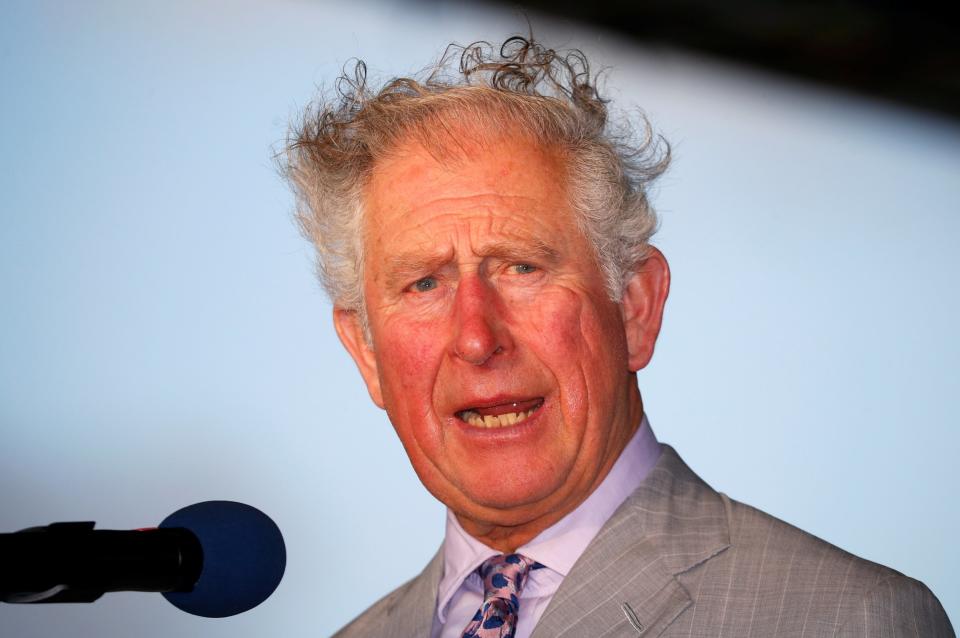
(503, 579)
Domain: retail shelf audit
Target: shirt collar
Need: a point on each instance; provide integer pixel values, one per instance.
(559, 546)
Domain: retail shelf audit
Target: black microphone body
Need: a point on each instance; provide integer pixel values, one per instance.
(72, 562)
(212, 559)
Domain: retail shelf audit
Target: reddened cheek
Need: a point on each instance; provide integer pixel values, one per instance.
(566, 321)
(553, 328)
(409, 353)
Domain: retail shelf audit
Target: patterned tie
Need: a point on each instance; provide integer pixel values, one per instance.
(503, 578)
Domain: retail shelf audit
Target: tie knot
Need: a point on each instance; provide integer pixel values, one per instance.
(504, 576)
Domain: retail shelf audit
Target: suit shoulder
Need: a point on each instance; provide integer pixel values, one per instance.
(861, 595)
(753, 530)
(758, 533)
(898, 605)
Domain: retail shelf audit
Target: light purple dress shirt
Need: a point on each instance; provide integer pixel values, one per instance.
(558, 547)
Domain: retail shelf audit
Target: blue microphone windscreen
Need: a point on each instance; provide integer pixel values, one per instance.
(243, 558)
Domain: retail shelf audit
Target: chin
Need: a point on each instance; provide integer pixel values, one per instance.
(517, 501)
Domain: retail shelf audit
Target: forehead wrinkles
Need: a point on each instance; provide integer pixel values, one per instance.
(412, 177)
(468, 222)
(507, 202)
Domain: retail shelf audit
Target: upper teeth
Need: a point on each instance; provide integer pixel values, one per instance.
(491, 421)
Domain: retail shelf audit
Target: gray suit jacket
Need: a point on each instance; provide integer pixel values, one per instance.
(679, 559)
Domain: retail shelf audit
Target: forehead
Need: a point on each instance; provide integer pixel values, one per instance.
(505, 189)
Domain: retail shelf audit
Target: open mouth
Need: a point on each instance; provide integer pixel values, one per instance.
(500, 415)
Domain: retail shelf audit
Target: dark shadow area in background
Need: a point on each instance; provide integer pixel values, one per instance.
(901, 51)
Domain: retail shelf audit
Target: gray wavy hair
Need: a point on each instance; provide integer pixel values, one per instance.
(520, 86)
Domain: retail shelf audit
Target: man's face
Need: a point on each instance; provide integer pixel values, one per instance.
(501, 360)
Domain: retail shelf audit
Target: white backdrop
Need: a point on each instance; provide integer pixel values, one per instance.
(162, 340)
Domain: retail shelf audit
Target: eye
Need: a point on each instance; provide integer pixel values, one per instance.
(523, 269)
(424, 285)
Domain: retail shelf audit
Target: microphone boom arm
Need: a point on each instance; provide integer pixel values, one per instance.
(72, 562)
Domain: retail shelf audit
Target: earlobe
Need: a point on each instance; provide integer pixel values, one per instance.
(351, 334)
(644, 297)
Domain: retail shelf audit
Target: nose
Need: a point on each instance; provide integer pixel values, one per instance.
(481, 331)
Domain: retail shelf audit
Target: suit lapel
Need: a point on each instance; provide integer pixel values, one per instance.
(625, 582)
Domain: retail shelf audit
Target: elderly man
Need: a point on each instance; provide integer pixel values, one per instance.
(484, 235)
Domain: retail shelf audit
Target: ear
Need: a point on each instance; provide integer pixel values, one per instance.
(351, 336)
(643, 300)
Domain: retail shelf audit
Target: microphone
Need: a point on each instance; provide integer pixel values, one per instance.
(212, 559)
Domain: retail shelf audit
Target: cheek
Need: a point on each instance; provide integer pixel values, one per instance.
(557, 324)
(551, 328)
(580, 339)
(407, 365)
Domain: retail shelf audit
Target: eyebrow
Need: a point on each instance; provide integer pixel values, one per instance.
(535, 249)
(405, 266)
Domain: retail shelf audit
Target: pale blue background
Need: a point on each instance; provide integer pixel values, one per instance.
(162, 340)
